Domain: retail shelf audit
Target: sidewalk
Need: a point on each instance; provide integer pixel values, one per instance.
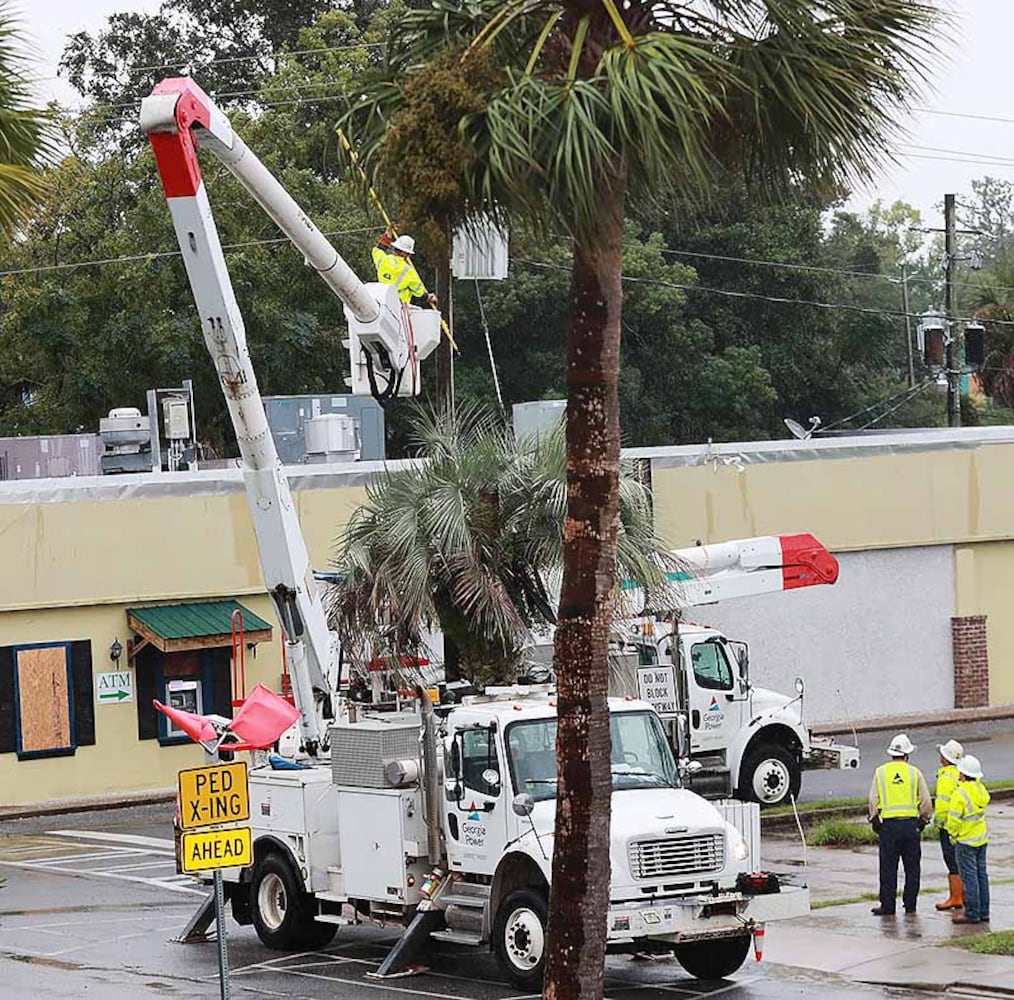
(959, 717)
(846, 939)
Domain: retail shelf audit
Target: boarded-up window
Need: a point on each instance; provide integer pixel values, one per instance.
(43, 690)
(46, 699)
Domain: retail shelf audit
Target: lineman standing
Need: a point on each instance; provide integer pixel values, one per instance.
(900, 807)
(966, 823)
(951, 753)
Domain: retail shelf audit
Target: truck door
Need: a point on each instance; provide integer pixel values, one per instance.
(475, 819)
(714, 710)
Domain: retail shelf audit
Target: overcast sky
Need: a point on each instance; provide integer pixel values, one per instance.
(972, 78)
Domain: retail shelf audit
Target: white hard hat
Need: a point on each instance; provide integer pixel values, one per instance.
(951, 751)
(405, 244)
(970, 767)
(901, 746)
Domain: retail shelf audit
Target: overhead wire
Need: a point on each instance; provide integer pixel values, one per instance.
(156, 254)
(758, 296)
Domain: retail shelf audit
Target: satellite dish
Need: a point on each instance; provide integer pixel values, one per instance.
(798, 431)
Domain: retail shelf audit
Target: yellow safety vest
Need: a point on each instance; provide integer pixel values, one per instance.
(947, 781)
(966, 820)
(897, 790)
(400, 272)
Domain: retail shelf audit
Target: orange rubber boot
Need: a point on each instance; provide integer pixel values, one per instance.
(956, 899)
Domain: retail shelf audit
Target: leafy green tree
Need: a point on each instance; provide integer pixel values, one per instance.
(614, 101)
(470, 539)
(25, 132)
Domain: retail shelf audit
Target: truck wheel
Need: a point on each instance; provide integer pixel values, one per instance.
(282, 912)
(770, 775)
(713, 959)
(519, 937)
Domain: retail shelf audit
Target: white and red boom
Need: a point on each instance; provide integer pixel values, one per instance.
(750, 566)
(176, 118)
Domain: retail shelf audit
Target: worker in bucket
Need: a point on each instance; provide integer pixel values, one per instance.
(393, 260)
(951, 753)
(900, 807)
(966, 824)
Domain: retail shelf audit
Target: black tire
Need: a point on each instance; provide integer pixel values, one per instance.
(713, 959)
(770, 775)
(282, 912)
(519, 938)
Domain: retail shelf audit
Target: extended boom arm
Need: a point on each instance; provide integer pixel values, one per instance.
(175, 116)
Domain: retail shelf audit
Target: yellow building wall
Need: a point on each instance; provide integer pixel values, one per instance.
(119, 761)
(985, 585)
(73, 568)
(881, 501)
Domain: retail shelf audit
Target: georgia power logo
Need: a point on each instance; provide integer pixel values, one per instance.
(714, 716)
(474, 831)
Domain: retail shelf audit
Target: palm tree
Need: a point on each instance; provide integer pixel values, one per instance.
(469, 538)
(24, 131)
(604, 102)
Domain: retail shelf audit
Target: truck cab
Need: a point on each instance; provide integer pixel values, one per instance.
(680, 871)
(746, 739)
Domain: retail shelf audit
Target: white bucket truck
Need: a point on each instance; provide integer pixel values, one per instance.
(443, 823)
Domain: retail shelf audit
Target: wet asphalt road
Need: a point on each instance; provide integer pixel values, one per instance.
(89, 910)
(991, 742)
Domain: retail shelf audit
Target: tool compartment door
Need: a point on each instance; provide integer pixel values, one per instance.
(372, 852)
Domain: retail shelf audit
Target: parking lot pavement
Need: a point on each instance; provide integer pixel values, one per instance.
(89, 913)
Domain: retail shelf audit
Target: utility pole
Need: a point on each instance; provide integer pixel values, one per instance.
(952, 355)
(908, 325)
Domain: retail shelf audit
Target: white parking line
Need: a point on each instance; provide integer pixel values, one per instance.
(372, 985)
(156, 863)
(156, 883)
(60, 859)
(133, 839)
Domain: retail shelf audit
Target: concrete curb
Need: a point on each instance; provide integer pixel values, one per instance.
(916, 720)
(114, 800)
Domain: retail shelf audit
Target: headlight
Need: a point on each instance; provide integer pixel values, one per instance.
(739, 849)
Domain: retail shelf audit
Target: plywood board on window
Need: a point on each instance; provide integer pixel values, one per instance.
(43, 699)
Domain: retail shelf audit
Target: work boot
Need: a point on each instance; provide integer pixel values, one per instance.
(960, 918)
(879, 911)
(956, 898)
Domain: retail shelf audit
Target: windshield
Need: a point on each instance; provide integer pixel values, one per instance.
(640, 756)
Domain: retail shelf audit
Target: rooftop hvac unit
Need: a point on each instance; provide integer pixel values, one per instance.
(124, 430)
(330, 437)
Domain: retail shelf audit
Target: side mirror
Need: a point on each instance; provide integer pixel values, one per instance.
(523, 804)
(800, 687)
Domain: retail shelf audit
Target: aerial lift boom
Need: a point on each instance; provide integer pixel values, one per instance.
(176, 117)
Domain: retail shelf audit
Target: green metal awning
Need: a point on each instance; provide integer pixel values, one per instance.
(199, 625)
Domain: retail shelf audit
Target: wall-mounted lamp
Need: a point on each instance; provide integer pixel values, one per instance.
(116, 651)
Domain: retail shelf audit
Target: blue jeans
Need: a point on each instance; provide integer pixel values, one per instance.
(975, 881)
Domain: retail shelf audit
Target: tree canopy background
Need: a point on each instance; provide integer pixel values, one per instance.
(738, 312)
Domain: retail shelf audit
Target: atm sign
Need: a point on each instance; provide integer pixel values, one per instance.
(214, 794)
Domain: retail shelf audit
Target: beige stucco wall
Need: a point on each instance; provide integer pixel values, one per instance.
(73, 568)
(119, 761)
(150, 548)
(958, 497)
(985, 585)
(868, 502)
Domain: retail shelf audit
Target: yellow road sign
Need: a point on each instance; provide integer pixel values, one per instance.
(206, 850)
(214, 794)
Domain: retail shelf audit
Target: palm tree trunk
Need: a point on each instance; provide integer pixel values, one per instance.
(580, 888)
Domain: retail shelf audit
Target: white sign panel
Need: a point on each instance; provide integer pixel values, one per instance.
(115, 688)
(657, 686)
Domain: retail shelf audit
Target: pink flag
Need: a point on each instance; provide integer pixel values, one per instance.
(197, 727)
(263, 717)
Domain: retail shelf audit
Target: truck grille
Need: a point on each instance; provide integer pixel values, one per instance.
(677, 856)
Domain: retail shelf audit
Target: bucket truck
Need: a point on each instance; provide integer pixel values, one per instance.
(743, 738)
(438, 819)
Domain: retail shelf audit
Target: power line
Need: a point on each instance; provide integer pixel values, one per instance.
(156, 254)
(757, 296)
(912, 393)
(964, 114)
